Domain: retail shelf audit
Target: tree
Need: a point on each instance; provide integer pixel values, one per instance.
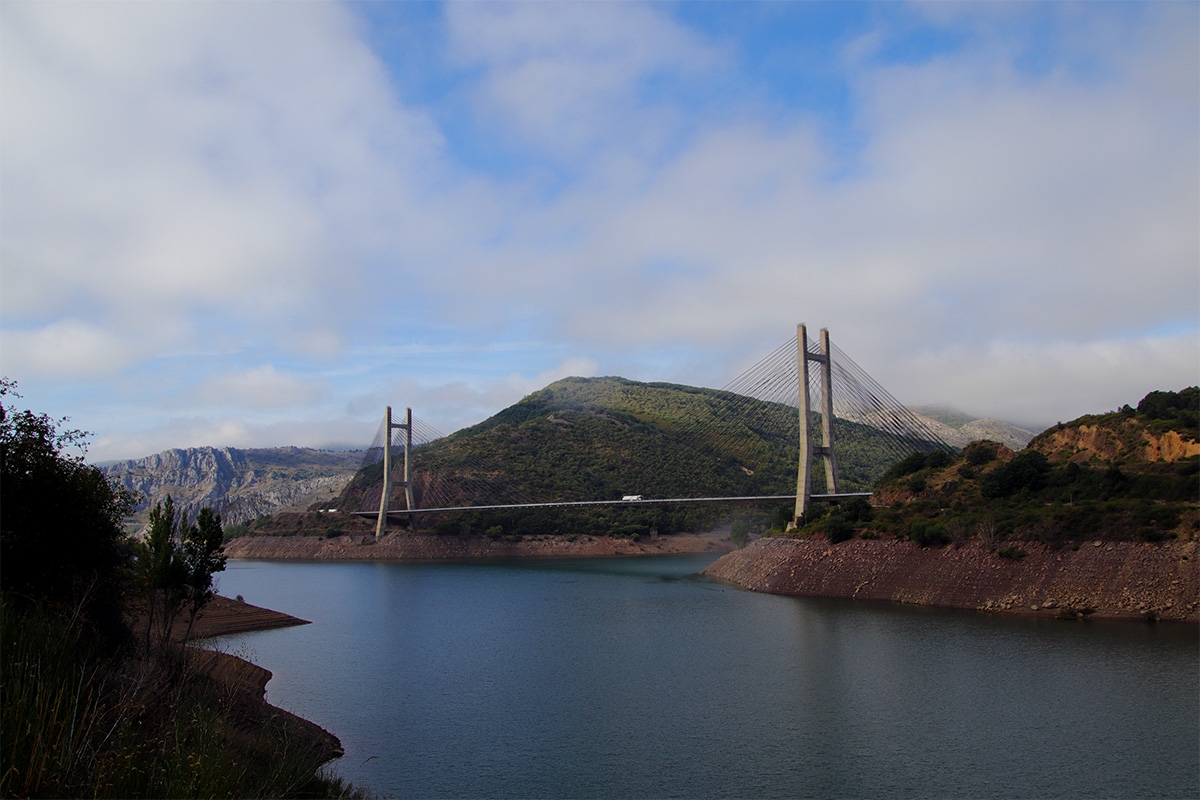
(177, 562)
(739, 532)
(161, 566)
(203, 542)
(61, 539)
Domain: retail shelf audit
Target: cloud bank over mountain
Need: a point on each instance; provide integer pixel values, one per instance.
(253, 224)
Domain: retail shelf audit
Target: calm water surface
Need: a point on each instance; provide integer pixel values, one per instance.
(636, 678)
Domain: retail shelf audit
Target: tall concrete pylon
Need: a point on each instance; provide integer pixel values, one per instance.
(807, 448)
(410, 505)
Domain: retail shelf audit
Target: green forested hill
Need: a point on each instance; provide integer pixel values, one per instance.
(603, 438)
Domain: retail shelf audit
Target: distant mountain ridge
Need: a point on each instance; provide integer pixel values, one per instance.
(240, 485)
(959, 429)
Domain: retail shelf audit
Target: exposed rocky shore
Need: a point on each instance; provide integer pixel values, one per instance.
(223, 616)
(430, 547)
(244, 685)
(1100, 580)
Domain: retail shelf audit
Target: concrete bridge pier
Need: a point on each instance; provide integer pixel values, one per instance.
(807, 447)
(410, 505)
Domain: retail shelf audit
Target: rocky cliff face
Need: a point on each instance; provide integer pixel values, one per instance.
(1107, 580)
(238, 484)
(1128, 439)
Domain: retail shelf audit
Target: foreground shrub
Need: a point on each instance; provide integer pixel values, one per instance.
(926, 532)
(77, 722)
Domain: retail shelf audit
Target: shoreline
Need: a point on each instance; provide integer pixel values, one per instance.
(432, 547)
(1129, 581)
(245, 683)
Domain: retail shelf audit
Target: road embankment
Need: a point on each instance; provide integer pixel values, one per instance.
(424, 547)
(1100, 580)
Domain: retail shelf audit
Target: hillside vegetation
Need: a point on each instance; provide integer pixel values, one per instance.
(1133, 474)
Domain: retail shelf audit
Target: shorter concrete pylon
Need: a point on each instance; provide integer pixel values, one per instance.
(410, 505)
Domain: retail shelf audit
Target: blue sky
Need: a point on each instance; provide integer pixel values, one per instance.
(255, 224)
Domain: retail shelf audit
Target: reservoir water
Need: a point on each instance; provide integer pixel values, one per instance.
(635, 678)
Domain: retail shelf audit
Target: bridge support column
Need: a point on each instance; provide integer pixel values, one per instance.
(804, 476)
(409, 504)
(831, 470)
(389, 426)
(807, 448)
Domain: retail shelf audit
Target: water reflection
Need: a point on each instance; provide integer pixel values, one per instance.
(636, 678)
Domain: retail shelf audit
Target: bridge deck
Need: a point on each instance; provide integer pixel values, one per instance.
(652, 501)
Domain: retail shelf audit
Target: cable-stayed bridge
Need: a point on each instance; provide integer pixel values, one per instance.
(805, 402)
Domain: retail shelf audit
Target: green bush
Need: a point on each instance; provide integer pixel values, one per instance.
(1175, 410)
(1026, 471)
(936, 459)
(838, 529)
(856, 509)
(979, 453)
(1012, 551)
(1151, 534)
(914, 462)
(236, 532)
(926, 532)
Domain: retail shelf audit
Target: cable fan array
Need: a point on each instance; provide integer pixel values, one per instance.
(857, 397)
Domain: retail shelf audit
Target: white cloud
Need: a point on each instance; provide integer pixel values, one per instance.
(456, 404)
(229, 432)
(986, 205)
(241, 182)
(261, 387)
(201, 158)
(1038, 383)
(566, 77)
(67, 348)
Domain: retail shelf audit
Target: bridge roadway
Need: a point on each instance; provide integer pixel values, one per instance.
(652, 501)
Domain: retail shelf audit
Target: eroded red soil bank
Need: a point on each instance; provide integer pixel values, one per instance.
(1106, 580)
